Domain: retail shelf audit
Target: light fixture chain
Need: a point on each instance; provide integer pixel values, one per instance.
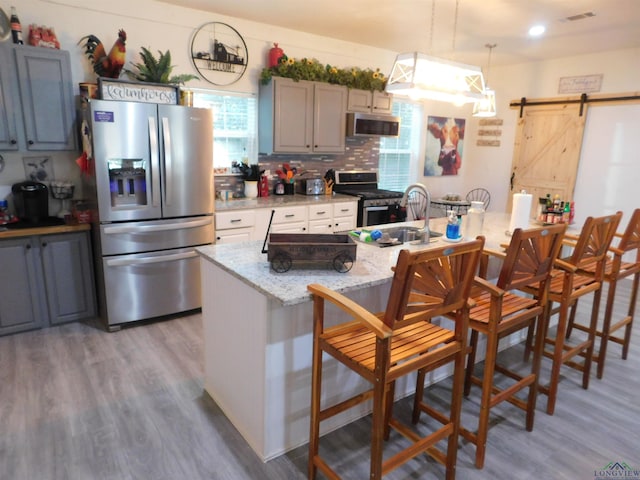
(455, 29)
(433, 15)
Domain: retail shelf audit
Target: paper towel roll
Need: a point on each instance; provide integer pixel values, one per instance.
(520, 211)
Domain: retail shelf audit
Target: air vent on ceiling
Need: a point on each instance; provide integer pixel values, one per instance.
(580, 16)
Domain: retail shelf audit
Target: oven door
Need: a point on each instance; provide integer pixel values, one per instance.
(381, 214)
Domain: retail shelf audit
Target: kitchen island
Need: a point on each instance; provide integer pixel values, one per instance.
(258, 334)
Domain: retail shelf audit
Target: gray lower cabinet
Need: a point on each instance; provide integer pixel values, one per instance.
(22, 305)
(47, 280)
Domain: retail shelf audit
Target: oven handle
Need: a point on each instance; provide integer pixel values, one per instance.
(377, 208)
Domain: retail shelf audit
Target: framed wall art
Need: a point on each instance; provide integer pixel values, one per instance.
(444, 146)
(218, 53)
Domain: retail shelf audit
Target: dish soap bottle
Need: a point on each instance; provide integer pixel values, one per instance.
(475, 220)
(453, 226)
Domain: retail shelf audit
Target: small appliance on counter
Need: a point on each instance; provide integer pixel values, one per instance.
(310, 186)
(31, 203)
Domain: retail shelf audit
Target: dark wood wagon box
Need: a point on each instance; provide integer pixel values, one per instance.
(337, 249)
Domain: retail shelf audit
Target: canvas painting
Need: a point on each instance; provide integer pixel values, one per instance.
(444, 146)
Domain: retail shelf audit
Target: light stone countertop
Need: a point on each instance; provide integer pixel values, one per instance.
(371, 267)
(280, 201)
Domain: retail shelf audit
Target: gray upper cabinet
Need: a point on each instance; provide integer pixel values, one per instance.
(302, 117)
(8, 132)
(42, 79)
(21, 295)
(365, 101)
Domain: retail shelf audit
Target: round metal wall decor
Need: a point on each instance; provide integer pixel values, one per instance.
(218, 53)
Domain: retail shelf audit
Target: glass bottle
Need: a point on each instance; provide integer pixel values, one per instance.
(475, 220)
(16, 28)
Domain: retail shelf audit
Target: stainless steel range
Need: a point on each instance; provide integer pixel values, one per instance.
(375, 206)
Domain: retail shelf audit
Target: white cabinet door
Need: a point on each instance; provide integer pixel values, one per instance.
(234, 235)
(345, 216)
(292, 227)
(321, 226)
(235, 219)
(234, 226)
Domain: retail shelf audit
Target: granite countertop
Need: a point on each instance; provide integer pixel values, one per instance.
(280, 201)
(27, 232)
(371, 267)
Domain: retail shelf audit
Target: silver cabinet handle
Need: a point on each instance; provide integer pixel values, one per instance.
(157, 228)
(123, 262)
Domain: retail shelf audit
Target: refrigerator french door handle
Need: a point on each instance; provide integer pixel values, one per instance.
(168, 161)
(158, 228)
(155, 163)
(122, 262)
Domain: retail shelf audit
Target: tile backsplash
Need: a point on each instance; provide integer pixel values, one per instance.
(361, 153)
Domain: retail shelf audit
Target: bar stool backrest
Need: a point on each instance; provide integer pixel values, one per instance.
(529, 257)
(431, 283)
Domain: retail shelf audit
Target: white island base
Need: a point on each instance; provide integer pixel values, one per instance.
(258, 337)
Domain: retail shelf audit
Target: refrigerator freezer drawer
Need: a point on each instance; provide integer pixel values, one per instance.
(133, 237)
(148, 285)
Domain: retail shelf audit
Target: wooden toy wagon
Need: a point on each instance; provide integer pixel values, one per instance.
(285, 248)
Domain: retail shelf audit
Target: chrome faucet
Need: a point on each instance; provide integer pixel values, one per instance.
(403, 203)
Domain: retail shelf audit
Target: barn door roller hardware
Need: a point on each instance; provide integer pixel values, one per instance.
(582, 100)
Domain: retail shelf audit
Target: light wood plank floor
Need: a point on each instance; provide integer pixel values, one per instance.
(78, 403)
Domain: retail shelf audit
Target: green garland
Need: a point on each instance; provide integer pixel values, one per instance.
(313, 70)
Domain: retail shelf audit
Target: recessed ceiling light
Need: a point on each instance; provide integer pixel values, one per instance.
(537, 30)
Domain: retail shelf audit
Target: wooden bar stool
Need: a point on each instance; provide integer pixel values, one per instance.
(568, 284)
(616, 268)
(499, 311)
(386, 346)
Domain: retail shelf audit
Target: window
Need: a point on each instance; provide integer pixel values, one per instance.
(235, 120)
(399, 155)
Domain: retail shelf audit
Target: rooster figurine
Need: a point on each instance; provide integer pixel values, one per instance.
(105, 65)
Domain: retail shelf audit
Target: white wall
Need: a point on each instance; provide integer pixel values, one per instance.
(159, 26)
(493, 165)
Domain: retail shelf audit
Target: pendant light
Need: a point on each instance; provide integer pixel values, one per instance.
(421, 76)
(486, 107)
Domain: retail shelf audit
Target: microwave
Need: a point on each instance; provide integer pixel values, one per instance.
(366, 124)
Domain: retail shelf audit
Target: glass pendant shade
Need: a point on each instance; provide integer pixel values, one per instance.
(421, 76)
(486, 107)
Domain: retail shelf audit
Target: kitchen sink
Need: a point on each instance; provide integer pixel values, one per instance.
(405, 234)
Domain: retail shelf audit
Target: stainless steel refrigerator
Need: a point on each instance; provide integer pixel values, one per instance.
(152, 187)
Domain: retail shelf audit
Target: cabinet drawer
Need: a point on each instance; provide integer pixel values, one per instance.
(346, 209)
(290, 214)
(235, 219)
(320, 212)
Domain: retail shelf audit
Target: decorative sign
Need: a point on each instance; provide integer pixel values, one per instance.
(580, 84)
(111, 89)
(485, 122)
(219, 53)
(489, 132)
